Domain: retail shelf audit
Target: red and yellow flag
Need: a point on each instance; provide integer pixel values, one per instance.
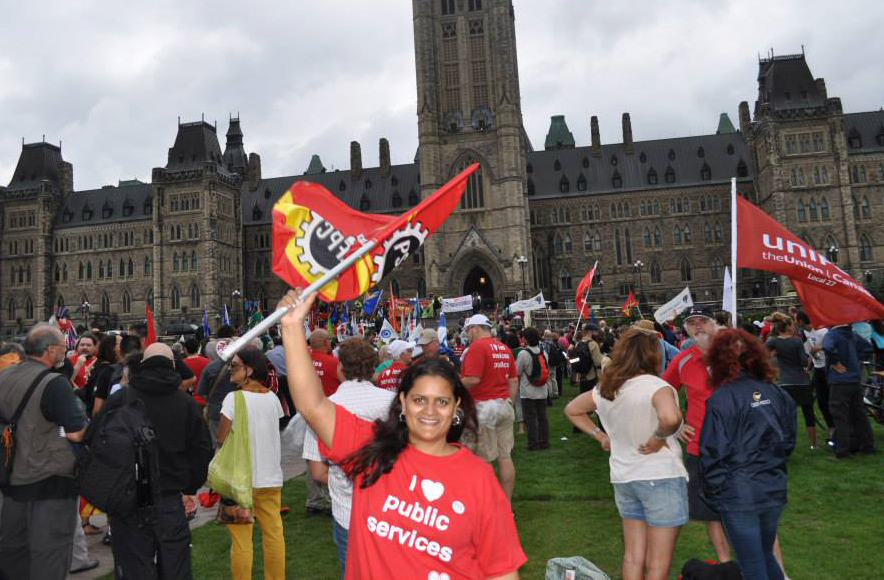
(583, 291)
(313, 231)
(630, 303)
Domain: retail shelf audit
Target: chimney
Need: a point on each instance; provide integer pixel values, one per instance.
(596, 139)
(821, 87)
(384, 157)
(254, 170)
(744, 119)
(355, 160)
(66, 177)
(627, 134)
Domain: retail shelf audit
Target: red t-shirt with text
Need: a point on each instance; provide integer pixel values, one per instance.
(80, 379)
(196, 364)
(429, 517)
(491, 361)
(326, 367)
(389, 377)
(691, 373)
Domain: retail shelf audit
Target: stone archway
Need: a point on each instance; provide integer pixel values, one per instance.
(478, 281)
(467, 274)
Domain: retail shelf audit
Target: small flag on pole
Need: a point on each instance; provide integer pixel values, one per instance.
(630, 303)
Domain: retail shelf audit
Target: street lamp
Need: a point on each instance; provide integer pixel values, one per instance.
(84, 308)
(775, 282)
(523, 262)
(236, 295)
(833, 254)
(868, 276)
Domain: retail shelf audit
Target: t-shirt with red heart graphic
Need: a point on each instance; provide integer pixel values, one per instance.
(389, 377)
(492, 362)
(444, 518)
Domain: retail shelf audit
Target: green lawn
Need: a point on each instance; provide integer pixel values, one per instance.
(831, 529)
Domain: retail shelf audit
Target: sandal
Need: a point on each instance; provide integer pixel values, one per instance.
(91, 530)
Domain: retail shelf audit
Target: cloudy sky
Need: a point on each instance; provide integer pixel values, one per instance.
(308, 77)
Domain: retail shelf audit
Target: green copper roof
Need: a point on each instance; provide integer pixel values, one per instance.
(558, 137)
(315, 166)
(725, 127)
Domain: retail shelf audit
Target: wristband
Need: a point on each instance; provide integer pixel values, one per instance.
(596, 431)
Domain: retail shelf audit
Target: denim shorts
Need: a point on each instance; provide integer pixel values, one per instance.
(661, 503)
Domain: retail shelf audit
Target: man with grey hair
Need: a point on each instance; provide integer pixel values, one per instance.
(39, 506)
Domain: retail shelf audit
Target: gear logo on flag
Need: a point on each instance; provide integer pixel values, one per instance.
(401, 244)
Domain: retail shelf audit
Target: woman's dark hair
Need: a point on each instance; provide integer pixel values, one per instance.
(734, 351)
(802, 317)
(130, 343)
(532, 336)
(107, 349)
(781, 322)
(358, 359)
(378, 456)
(512, 340)
(255, 360)
(636, 353)
(133, 361)
(191, 345)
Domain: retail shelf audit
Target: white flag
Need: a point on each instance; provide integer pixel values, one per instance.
(387, 332)
(727, 294)
(528, 305)
(672, 308)
(415, 333)
(459, 304)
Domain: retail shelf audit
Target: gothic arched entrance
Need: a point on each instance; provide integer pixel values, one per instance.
(479, 282)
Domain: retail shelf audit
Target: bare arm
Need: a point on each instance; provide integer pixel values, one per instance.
(76, 436)
(187, 383)
(668, 420)
(304, 385)
(318, 471)
(223, 429)
(514, 575)
(577, 411)
(96, 406)
(470, 382)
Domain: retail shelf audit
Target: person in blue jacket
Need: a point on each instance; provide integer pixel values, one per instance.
(845, 349)
(748, 432)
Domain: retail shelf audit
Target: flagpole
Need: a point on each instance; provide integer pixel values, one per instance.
(734, 252)
(277, 314)
(585, 298)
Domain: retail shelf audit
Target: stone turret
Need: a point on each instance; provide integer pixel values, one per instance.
(558, 136)
(355, 160)
(596, 138)
(744, 118)
(627, 134)
(254, 170)
(384, 157)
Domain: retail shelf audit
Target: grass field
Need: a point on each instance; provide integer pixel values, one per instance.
(832, 528)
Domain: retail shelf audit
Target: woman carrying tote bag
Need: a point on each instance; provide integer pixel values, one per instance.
(248, 369)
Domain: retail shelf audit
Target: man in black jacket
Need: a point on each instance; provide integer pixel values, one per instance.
(185, 450)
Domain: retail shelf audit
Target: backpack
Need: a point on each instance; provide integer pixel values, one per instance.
(119, 471)
(694, 569)
(583, 365)
(556, 356)
(539, 374)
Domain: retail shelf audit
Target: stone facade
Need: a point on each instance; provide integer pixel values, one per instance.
(655, 214)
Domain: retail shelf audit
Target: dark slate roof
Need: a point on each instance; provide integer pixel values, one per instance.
(195, 143)
(111, 198)
(786, 83)
(234, 152)
(870, 126)
(380, 195)
(725, 126)
(37, 162)
(559, 135)
(315, 166)
(600, 172)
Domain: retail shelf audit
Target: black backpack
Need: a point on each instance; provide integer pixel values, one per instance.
(694, 569)
(119, 471)
(584, 364)
(556, 356)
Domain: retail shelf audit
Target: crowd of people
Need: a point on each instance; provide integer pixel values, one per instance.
(409, 446)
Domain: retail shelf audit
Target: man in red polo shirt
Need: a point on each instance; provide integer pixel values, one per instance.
(324, 362)
(689, 369)
(400, 352)
(489, 372)
(84, 358)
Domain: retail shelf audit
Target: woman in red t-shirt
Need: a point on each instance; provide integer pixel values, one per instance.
(423, 505)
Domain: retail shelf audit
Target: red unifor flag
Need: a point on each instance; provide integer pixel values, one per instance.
(151, 329)
(313, 231)
(828, 295)
(583, 291)
(630, 303)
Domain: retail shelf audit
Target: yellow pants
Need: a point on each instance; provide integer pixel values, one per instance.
(266, 512)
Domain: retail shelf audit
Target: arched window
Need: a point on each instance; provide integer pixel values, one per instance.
(581, 182)
(718, 232)
(195, 297)
(656, 275)
(705, 172)
(587, 242)
(686, 234)
(617, 248)
(57, 273)
(800, 210)
(707, 233)
(866, 209)
(126, 302)
(413, 198)
(564, 185)
(105, 303)
(474, 193)
(10, 309)
(257, 268)
(130, 271)
(658, 236)
(193, 262)
(616, 180)
(29, 308)
(715, 269)
(557, 166)
(824, 208)
(88, 270)
(564, 279)
(685, 270)
(647, 238)
(830, 246)
(64, 272)
(676, 235)
(60, 301)
(147, 268)
(176, 298)
(812, 209)
(148, 298)
(568, 245)
(865, 248)
(101, 269)
(652, 176)
(557, 245)
(175, 262)
(669, 175)
(597, 242)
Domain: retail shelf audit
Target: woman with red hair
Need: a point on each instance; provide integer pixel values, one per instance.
(748, 432)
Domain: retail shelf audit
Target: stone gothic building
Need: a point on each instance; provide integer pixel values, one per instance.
(655, 214)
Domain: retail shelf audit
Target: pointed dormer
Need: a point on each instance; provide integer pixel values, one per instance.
(235, 158)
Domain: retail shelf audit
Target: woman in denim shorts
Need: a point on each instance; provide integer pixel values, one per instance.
(641, 416)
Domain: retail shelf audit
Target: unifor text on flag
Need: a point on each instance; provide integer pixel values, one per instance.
(313, 231)
(828, 294)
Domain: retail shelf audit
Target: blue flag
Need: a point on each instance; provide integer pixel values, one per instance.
(371, 302)
(206, 321)
(225, 317)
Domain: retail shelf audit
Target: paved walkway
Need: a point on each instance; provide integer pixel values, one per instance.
(291, 468)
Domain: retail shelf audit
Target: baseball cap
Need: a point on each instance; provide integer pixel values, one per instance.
(591, 326)
(398, 346)
(477, 320)
(697, 310)
(427, 336)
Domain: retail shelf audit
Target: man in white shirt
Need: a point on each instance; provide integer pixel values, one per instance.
(359, 396)
(813, 344)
